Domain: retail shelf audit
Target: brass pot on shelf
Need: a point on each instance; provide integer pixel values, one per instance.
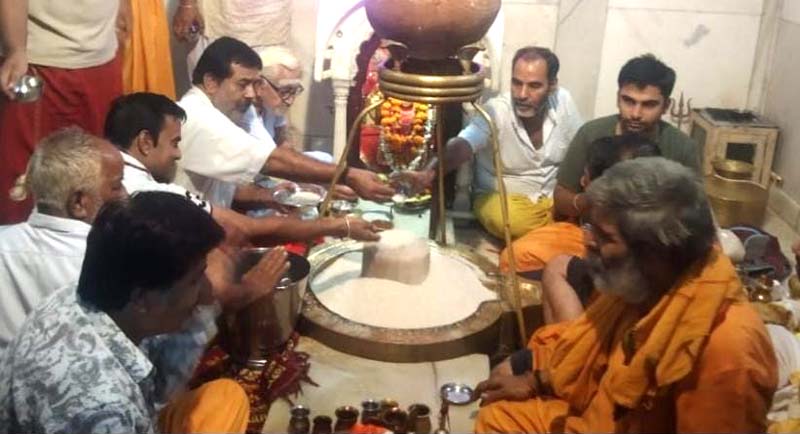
(733, 169)
(734, 198)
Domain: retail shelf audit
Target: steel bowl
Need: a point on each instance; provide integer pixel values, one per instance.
(457, 394)
(28, 88)
(299, 195)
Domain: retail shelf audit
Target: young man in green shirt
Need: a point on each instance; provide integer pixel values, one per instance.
(645, 84)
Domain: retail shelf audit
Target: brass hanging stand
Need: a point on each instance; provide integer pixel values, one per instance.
(464, 87)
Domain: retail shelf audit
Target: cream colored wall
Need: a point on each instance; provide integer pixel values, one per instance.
(312, 113)
(782, 107)
(710, 43)
(580, 54)
(527, 22)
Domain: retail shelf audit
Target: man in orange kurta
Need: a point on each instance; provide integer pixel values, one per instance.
(671, 344)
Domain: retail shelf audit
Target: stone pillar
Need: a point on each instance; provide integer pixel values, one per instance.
(341, 90)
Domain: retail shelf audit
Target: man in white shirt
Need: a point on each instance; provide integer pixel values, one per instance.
(535, 124)
(146, 127)
(218, 154)
(71, 175)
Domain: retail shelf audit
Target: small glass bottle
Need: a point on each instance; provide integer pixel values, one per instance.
(346, 417)
(386, 405)
(370, 412)
(396, 420)
(299, 423)
(322, 425)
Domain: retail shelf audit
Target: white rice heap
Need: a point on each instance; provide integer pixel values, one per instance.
(399, 255)
(450, 293)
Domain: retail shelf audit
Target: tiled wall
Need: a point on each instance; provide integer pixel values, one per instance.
(783, 107)
(711, 45)
(527, 22)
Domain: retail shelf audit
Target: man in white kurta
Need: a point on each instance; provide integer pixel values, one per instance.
(220, 157)
(147, 129)
(528, 171)
(45, 252)
(37, 257)
(535, 123)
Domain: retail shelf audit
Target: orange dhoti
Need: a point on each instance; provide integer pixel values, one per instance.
(700, 360)
(147, 59)
(533, 250)
(219, 406)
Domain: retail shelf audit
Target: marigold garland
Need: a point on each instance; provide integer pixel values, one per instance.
(406, 129)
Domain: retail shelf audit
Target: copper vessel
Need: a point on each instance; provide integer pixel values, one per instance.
(322, 425)
(432, 29)
(736, 202)
(733, 169)
(734, 199)
(419, 419)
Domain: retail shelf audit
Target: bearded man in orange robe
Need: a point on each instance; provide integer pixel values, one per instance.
(671, 344)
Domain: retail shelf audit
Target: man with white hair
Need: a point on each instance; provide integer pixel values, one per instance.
(71, 174)
(672, 343)
(220, 156)
(275, 93)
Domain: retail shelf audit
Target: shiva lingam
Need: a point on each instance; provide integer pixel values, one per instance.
(431, 44)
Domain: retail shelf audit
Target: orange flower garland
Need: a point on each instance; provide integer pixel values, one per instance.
(405, 131)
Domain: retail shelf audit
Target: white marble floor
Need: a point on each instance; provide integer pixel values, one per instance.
(348, 380)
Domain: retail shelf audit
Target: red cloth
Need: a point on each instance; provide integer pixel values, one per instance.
(282, 375)
(79, 97)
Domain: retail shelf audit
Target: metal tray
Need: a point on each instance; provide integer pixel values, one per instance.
(474, 334)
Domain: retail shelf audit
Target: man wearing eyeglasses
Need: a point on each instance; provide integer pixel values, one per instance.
(277, 90)
(221, 158)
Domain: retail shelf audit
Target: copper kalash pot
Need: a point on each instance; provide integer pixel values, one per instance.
(432, 29)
